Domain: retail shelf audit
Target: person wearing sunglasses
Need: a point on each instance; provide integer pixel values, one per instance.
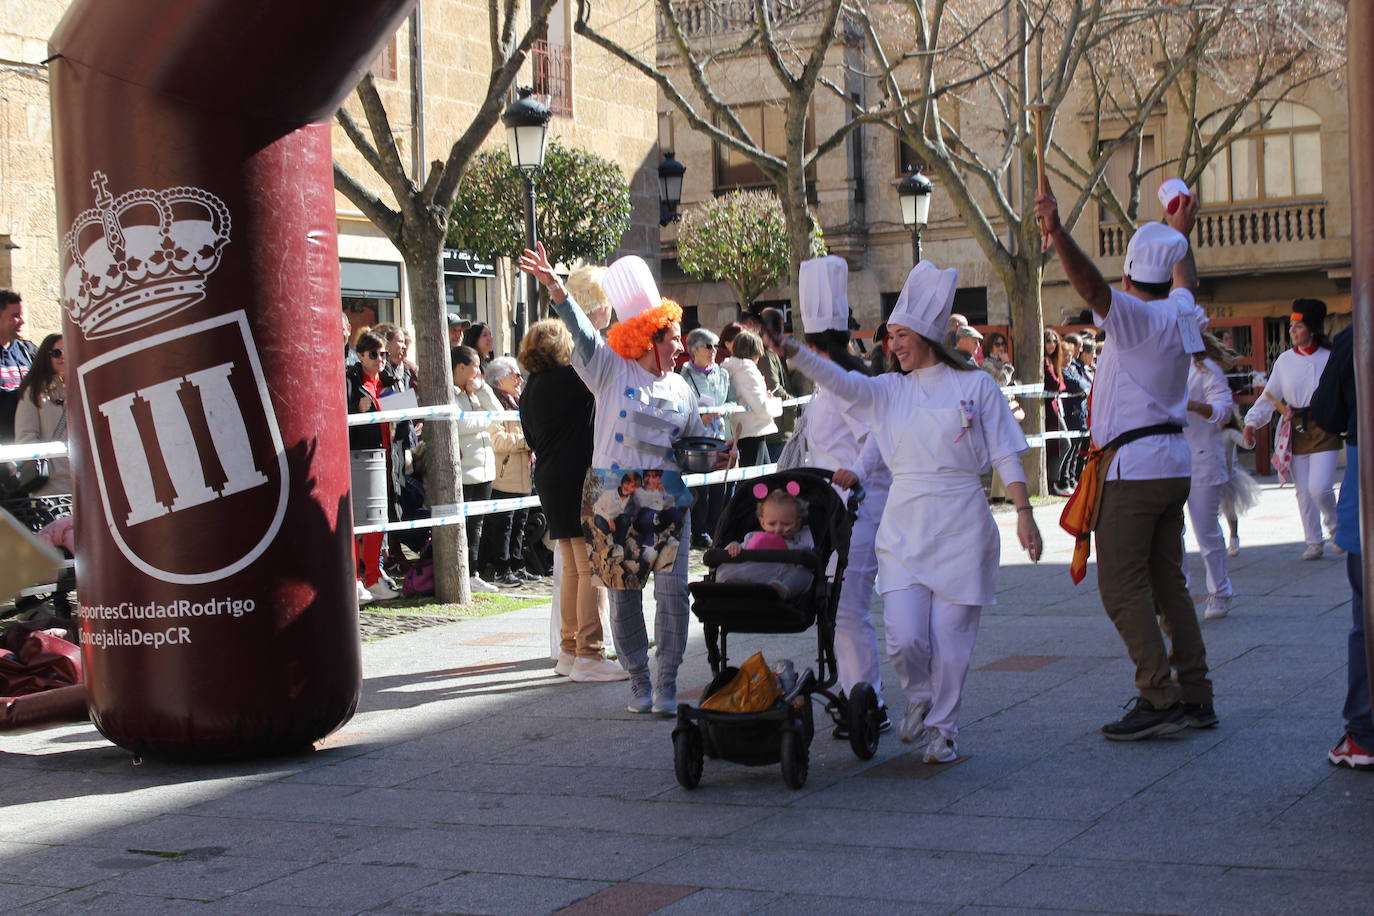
(41, 415)
(366, 383)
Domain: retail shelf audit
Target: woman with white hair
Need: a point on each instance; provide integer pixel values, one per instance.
(937, 428)
(712, 386)
(503, 535)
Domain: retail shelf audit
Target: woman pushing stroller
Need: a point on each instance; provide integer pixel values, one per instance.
(642, 406)
(937, 429)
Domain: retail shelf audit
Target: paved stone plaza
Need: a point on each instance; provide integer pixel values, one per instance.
(473, 781)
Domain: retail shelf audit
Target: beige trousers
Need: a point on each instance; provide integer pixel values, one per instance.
(581, 601)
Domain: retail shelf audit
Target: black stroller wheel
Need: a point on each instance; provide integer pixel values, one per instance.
(864, 720)
(795, 759)
(687, 755)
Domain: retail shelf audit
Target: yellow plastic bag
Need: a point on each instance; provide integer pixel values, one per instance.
(753, 689)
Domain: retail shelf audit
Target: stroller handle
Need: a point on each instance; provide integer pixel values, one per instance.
(718, 556)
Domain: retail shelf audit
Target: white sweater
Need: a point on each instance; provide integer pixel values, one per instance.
(1292, 380)
(751, 391)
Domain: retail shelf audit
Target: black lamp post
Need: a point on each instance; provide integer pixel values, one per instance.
(527, 130)
(670, 173)
(914, 193)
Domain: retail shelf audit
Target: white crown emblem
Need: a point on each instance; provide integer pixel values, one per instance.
(151, 257)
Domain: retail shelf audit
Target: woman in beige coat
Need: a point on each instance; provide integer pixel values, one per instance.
(503, 535)
(41, 415)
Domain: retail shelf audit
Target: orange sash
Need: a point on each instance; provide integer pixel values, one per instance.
(1080, 514)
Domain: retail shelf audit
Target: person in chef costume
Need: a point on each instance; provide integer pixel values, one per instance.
(829, 435)
(937, 428)
(642, 406)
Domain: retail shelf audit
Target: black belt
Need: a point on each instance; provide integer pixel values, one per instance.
(1130, 435)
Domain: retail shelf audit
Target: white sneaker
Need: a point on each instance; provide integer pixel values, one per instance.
(1217, 607)
(913, 721)
(478, 584)
(382, 592)
(564, 666)
(1336, 549)
(939, 749)
(1313, 552)
(1234, 549)
(364, 596)
(597, 671)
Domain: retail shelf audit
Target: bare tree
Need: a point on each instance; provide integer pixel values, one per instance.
(416, 221)
(1225, 66)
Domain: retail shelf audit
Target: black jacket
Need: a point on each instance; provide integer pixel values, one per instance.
(1333, 404)
(556, 412)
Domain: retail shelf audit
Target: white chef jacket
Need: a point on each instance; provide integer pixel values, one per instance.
(638, 414)
(1293, 380)
(1142, 380)
(835, 439)
(937, 530)
(1206, 435)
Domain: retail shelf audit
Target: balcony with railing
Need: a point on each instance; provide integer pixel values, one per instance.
(704, 18)
(553, 76)
(1237, 227)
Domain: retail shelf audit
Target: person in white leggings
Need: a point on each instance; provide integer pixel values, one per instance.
(1292, 381)
(1209, 408)
(937, 429)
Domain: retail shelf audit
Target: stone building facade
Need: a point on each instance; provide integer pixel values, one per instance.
(1275, 222)
(599, 105)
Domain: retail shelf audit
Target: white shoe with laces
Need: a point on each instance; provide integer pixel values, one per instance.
(564, 666)
(1313, 552)
(1217, 607)
(478, 584)
(382, 592)
(913, 721)
(597, 671)
(939, 749)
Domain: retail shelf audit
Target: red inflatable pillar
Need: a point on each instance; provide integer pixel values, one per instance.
(207, 422)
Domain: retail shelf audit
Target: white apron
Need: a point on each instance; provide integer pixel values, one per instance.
(937, 530)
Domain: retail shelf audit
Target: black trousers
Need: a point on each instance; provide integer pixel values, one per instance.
(503, 537)
(471, 493)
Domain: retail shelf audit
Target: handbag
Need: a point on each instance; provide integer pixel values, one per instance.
(33, 475)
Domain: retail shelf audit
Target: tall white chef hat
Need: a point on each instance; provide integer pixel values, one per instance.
(925, 300)
(630, 286)
(823, 291)
(1152, 253)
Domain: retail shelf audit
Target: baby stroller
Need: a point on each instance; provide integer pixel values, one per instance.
(35, 512)
(782, 733)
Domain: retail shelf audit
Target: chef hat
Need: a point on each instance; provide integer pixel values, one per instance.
(823, 290)
(1152, 253)
(924, 303)
(1311, 312)
(630, 286)
(640, 311)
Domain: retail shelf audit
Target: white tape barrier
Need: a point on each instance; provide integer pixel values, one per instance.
(453, 515)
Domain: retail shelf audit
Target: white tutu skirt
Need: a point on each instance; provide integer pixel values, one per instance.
(1240, 493)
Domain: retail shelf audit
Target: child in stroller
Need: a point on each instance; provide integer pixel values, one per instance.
(781, 514)
(817, 543)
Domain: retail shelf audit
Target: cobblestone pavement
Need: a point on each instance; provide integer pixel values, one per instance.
(474, 781)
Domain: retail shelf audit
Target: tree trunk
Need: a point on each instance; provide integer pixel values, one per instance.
(424, 280)
(799, 229)
(1028, 323)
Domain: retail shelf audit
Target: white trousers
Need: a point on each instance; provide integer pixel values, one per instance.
(856, 639)
(1204, 502)
(931, 642)
(1313, 476)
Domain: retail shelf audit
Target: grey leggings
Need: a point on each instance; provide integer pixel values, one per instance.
(670, 624)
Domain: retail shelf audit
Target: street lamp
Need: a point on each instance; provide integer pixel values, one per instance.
(670, 173)
(527, 131)
(914, 193)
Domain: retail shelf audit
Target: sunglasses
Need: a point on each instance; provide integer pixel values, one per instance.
(373, 354)
(56, 352)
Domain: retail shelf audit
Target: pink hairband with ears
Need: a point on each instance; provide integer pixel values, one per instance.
(761, 489)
